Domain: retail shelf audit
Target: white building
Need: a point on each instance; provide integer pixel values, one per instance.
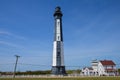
(100, 68)
(87, 71)
(107, 67)
(94, 65)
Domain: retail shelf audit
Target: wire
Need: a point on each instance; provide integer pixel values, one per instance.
(33, 64)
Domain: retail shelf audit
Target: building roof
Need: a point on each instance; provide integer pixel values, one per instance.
(107, 62)
(90, 68)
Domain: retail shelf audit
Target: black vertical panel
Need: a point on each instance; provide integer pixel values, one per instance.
(59, 53)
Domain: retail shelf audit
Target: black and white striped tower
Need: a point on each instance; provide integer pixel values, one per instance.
(58, 67)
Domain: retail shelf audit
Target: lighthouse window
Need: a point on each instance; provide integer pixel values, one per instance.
(58, 23)
(58, 37)
(58, 54)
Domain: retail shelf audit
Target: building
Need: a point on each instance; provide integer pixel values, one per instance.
(100, 68)
(87, 71)
(94, 65)
(58, 67)
(107, 67)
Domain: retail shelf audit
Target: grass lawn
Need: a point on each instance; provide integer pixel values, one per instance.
(73, 78)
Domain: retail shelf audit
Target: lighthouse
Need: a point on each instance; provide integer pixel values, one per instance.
(58, 66)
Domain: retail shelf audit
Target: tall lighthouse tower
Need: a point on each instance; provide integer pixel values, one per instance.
(58, 67)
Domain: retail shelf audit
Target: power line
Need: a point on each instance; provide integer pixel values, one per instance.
(33, 64)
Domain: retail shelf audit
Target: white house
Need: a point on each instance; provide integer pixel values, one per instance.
(100, 68)
(107, 67)
(87, 71)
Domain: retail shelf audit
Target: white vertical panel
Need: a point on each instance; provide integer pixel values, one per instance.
(58, 25)
(58, 36)
(54, 54)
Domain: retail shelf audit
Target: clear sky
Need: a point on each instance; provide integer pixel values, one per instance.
(91, 30)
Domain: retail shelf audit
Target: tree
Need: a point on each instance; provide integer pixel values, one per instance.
(119, 70)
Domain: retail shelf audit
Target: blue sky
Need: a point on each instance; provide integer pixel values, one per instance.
(91, 30)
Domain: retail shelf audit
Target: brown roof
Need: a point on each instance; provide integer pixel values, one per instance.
(107, 62)
(90, 68)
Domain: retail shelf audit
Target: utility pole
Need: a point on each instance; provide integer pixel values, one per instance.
(15, 65)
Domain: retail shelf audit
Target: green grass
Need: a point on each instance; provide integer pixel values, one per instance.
(73, 78)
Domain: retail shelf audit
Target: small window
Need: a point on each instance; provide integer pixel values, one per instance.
(58, 37)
